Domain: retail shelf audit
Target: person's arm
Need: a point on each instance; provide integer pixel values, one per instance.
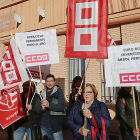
(37, 107)
(71, 124)
(120, 111)
(61, 102)
(106, 116)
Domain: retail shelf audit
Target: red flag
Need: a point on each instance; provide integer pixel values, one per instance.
(8, 106)
(19, 105)
(34, 71)
(110, 41)
(12, 68)
(87, 29)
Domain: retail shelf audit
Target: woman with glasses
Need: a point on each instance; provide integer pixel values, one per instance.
(96, 114)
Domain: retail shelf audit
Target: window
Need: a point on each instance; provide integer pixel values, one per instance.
(76, 68)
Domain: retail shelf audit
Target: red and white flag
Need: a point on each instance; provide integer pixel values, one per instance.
(9, 106)
(87, 29)
(110, 41)
(12, 67)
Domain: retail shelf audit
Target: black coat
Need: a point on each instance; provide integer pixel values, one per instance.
(30, 120)
(125, 112)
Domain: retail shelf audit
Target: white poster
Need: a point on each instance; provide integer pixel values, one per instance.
(127, 56)
(120, 72)
(38, 47)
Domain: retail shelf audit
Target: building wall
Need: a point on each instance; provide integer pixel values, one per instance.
(55, 14)
(93, 75)
(131, 32)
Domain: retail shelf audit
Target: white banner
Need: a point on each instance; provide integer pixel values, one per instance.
(127, 56)
(38, 47)
(12, 68)
(120, 72)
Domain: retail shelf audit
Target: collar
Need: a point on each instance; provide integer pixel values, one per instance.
(83, 105)
(44, 90)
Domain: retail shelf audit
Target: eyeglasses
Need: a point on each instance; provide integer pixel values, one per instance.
(27, 85)
(88, 92)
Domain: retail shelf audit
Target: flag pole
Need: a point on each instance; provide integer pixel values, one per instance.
(41, 84)
(85, 119)
(135, 109)
(41, 81)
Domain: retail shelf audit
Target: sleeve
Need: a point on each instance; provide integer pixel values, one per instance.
(37, 107)
(106, 116)
(120, 111)
(71, 124)
(61, 102)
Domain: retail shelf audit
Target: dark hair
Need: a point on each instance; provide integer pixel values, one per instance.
(50, 76)
(75, 80)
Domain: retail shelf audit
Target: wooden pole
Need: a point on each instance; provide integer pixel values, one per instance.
(135, 110)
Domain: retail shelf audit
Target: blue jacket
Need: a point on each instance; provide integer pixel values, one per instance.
(76, 119)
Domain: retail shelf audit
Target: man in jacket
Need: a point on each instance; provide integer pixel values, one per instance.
(51, 124)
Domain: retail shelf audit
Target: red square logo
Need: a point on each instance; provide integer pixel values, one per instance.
(7, 65)
(86, 13)
(85, 39)
(11, 76)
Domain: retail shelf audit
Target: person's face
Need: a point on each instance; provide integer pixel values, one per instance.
(89, 95)
(26, 86)
(77, 85)
(50, 83)
(128, 89)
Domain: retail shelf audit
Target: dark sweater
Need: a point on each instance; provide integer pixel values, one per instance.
(30, 120)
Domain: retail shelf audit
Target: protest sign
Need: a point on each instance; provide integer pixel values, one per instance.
(127, 56)
(38, 47)
(87, 29)
(122, 67)
(8, 106)
(45, 70)
(12, 68)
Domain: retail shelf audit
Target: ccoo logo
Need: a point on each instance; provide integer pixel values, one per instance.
(129, 77)
(8, 100)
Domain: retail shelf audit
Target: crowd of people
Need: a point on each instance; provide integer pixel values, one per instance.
(88, 117)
